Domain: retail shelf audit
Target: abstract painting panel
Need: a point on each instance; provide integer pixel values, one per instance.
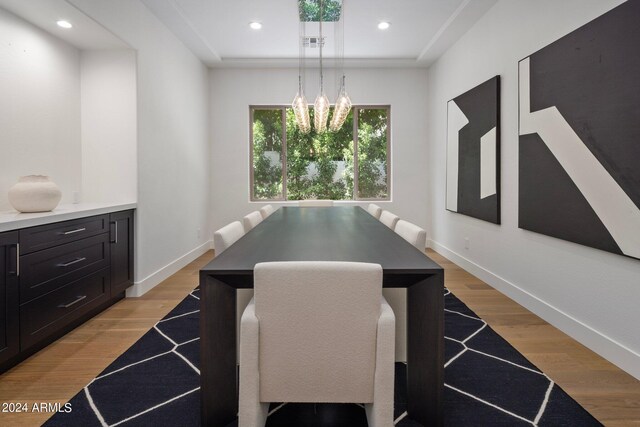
(473, 152)
(579, 127)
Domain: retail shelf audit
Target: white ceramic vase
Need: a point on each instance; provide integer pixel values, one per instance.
(34, 193)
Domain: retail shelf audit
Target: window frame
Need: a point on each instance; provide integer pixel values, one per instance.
(356, 174)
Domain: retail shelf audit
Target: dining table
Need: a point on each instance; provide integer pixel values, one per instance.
(339, 233)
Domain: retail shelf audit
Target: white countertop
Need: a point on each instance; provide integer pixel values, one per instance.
(13, 220)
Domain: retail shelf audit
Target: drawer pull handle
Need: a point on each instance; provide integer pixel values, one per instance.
(75, 261)
(77, 300)
(15, 253)
(77, 230)
(114, 234)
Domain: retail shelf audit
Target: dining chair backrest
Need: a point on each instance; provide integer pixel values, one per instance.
(251, 220)
(374, 210)
(322, 315)
(412, 234)
(266, 210)
(389, 219)
(315, 203)
(227, 236)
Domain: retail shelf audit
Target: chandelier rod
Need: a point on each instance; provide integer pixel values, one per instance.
(321, 44)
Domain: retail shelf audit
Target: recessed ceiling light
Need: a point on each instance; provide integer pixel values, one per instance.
(384, 25)
(64, 24)
(255, 25)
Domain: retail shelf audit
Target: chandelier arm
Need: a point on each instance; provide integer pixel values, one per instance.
(342, 25)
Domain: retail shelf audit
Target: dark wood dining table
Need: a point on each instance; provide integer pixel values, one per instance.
(346, 233)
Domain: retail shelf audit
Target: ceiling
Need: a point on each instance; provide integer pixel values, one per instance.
(86, 33)
(218, 32)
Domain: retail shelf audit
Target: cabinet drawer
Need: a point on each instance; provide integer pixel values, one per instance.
(47, 270)
(46, 236)
(46, 315)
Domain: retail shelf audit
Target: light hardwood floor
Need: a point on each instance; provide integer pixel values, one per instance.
(59, 371)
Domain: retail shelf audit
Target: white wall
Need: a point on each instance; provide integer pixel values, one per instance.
(590, 294)
(173, 141)
(109, 125)
(233, 90)
(39, 108)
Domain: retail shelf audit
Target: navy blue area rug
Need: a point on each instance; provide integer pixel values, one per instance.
(487, 383)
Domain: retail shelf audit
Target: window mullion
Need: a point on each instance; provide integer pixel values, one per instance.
(252, 196)
(355, 153)
(284, 153)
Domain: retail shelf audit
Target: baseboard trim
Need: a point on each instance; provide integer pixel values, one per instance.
(145, 285)
(615, 352)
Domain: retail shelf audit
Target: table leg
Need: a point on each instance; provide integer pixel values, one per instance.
(218, 375)
(425, 350)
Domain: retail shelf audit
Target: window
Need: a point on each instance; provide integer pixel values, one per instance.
(350, 164)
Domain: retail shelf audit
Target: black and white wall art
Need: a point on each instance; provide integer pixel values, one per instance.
(473, 152)
(579, 126)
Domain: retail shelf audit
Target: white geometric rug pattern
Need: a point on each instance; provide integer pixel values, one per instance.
(469, 351)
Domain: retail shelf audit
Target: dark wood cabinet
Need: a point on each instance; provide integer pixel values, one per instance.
(50, 235)
(47, 270)
(121, 230)
(54, 277)
(48, 315)
(9, 294)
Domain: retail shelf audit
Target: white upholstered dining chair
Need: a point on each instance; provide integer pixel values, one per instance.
(389, 219)
(251, 220)
(412, 234)
(227, 236)
(317, 332)
(374, 210)
(315, 203)
(397, 297)
(266, 210)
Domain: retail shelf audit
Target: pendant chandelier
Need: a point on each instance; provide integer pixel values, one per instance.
(321, 106)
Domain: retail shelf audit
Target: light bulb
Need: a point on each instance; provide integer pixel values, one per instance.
(321, 112)
(301, 111)
(340, 111)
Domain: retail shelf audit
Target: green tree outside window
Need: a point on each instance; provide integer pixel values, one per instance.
(320, 165)
(267, 139)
